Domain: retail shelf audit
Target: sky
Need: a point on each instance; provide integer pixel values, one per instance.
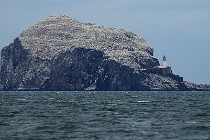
(176, 28)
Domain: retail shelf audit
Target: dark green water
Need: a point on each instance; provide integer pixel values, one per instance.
(104, 115)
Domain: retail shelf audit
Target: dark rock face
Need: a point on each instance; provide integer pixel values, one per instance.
(60, 53)
(19, 70)
(87, 69)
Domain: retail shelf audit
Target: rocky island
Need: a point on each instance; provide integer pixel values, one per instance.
(61, 53)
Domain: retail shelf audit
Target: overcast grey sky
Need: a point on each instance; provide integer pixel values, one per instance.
(177, 28)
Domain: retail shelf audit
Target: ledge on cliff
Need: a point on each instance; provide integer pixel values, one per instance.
(61, 53)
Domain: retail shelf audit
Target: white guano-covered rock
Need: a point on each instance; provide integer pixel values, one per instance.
(60, 33)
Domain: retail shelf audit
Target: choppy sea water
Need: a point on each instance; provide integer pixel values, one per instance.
(105, 115)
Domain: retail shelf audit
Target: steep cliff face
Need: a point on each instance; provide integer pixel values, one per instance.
(88, 69)
(60, 53)
(20, 70)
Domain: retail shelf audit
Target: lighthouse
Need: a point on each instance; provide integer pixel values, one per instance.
(164, 64)
(164, 69)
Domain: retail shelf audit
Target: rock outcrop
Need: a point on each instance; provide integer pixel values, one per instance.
(61, 53)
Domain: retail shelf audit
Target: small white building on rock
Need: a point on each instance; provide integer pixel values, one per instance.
(165, 70)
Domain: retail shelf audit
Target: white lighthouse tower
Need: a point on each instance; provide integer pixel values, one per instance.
(164, 64)
(164, 69)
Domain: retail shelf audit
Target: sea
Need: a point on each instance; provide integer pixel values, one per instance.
(114, 115)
